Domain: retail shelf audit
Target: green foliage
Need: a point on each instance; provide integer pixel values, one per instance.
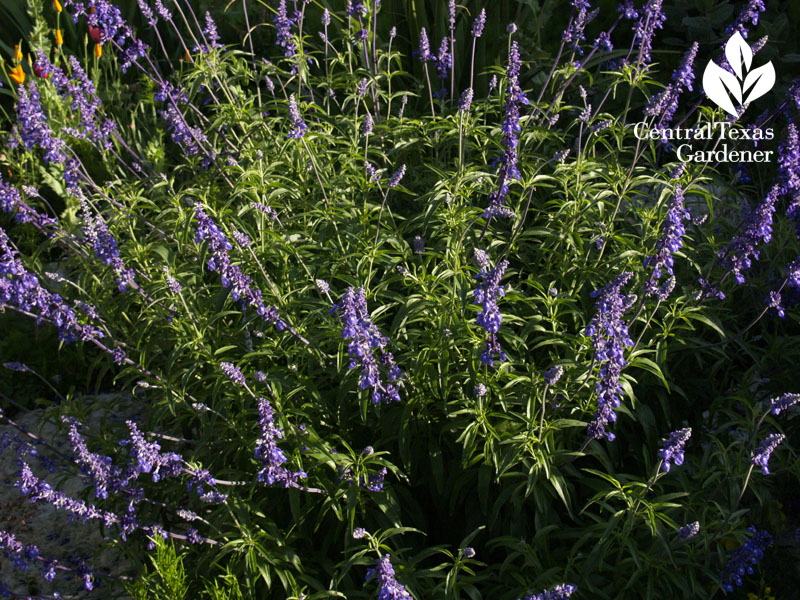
(509, 473)
(167, 577)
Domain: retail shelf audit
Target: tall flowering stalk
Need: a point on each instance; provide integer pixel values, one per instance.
(477, 31)
(651, 18)
(267, 451)
(283, 27)
(211, 37)
(559, 592)
(388, 587)
(32, 130)
(192, 140)
(672, 448)
(610, 337)
(242, 289)
(424, 54)
(78, 88)
(742, 561)
(789, 172)
(574, 33)
(508, 163)
(742, 250)
(748, 16)
(444, 64)
(663, 105)
(761, 456)
(105, 246)
(487, 294)
(672, 232)
(107, 25)
(11, 202)
(365, 339)
(21, 289)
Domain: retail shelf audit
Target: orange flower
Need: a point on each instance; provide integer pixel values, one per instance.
(91, 10)
(187, 57)
(17, 52)
(98, 50)
(59, 37)
(57, 5)
(18, 75)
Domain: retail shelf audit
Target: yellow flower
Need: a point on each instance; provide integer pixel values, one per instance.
(98, 50)
(57, 5)
(17, 52)
(59, 37)
(18, 75)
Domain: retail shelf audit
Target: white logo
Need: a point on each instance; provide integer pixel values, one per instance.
(746, 85)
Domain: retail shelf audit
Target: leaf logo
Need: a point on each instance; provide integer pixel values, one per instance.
(743, 85)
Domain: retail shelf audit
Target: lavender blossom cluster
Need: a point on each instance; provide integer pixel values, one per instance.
(742, 561)
(388, 587)
(21, 289)
(508, 163)
(365, 340)
(267, 451)
(489, 317)
(559, 592)
(671, 451)
(762, 454)
(742, 250)
(242, 289)
(672, 232)
(610, 337)
(32, 130)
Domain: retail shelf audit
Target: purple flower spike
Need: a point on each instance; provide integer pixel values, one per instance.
(478, 24)
(267, 451)
(190, 139)
(604, 41)
(298, 126)
(663, 105)
(672, 232)
(672, 448)
(762, 454)
(749, 14)
(573, 35)
(466, 100)
(784, 402)
(365, 339)
(789, 172)
(11, 202)
(742, 561)
(32, 130)
(22, 289)
(389, 588)
(397, 177)
(610, 337)
(758, 227)
(283, 27)
(210, 33)
(553, 374)
(689, 530)
(508, 167)
(241, 285)
(652, 18)
(232, 372)
(559, 592)
(367, 126)
(486, 294)
(424, 51)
